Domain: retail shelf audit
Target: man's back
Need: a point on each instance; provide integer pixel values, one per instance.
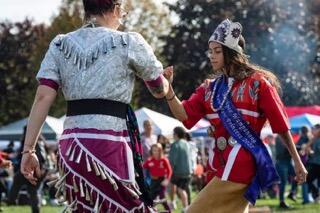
(180, 158)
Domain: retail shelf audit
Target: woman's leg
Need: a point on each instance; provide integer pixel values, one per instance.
(220, 197)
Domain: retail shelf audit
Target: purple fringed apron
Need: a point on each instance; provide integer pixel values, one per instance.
(100, 172)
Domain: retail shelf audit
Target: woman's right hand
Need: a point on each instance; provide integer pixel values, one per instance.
(168, 73)
(301, 172)
(30, 167)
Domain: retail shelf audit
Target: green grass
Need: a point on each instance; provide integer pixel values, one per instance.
(272, 203)
(297, 207)
(27, 209)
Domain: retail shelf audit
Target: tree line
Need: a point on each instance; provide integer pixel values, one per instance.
(281, 35)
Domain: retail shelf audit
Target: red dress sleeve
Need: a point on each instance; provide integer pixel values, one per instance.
(273, 108)
(194, 107)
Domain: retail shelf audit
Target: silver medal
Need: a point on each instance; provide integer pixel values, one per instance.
(221, 143)
(232, 141)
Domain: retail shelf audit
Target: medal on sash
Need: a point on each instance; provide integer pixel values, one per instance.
(221, 143)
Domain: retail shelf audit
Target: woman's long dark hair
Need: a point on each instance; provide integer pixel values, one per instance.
(238, 66)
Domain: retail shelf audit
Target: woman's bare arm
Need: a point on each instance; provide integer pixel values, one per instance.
(43, 100)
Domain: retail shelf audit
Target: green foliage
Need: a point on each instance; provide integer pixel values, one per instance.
(151, 19)
(68, 19)
(279, 36)
(18, 44)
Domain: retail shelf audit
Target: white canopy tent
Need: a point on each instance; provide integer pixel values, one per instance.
(163, 124)
(51, 129)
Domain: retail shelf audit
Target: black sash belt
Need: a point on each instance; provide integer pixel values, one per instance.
(97, 106)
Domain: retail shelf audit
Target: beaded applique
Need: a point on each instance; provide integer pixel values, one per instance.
(84, 58)
(253, 91)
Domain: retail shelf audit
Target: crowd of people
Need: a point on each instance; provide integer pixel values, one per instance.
(308, 146)
(100, 152)
(16, 189)
(172, 167)
(176, 165)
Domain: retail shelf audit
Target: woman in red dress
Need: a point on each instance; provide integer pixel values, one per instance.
(238, 158)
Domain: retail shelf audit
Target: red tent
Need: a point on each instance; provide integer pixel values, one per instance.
(298, 110)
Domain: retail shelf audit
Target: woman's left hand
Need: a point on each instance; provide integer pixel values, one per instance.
(301, 172)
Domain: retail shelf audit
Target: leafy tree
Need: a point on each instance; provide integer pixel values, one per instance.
(279, 37)
(152, 20)
(24, 45)
(17, 68)
(68, 19)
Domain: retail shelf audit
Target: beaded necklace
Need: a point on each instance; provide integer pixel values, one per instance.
(230, 84)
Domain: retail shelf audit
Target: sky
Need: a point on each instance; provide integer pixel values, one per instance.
(38, 10)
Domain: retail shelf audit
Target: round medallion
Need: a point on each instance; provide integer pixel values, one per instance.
(221, 143)
(232, 141)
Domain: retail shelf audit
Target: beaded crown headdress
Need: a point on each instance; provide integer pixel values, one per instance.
(228, 34)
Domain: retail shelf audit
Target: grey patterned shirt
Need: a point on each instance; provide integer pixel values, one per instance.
(98, 63)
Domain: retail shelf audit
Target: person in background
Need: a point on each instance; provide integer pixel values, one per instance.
(305, 137)
(285, 170)
(160, 172)
(181, 163)
(314, 163)
(194, 154)
(4, 163)
(165, 143)
(19, 180)
(10, 148)
(193, 149)
(269, 142)
(147, 139)
(198, 176)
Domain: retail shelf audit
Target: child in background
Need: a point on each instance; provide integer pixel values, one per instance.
(160, 171)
